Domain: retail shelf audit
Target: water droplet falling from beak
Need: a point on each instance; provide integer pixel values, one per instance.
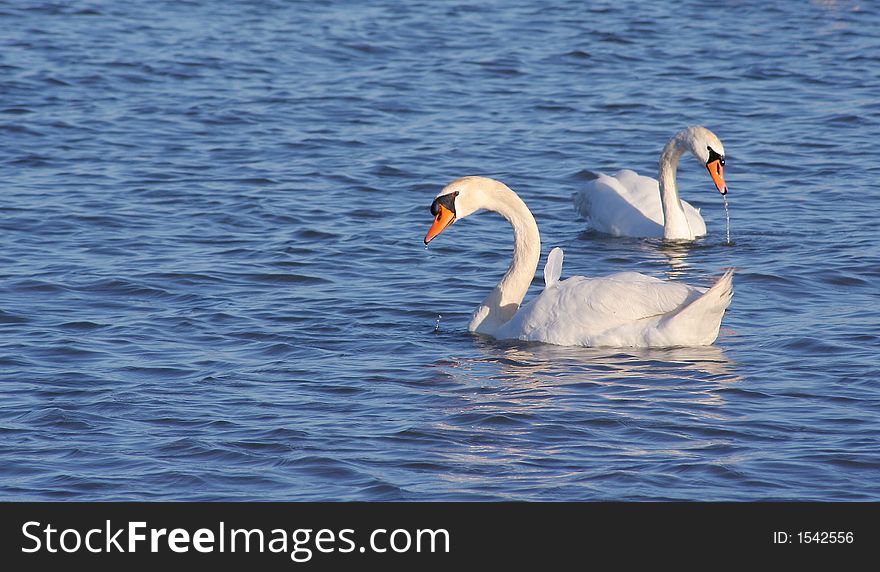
(727, 215)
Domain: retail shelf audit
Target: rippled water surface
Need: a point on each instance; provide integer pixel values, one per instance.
(214, 284)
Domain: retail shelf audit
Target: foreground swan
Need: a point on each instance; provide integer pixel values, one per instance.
(629, 204)
(624, 309)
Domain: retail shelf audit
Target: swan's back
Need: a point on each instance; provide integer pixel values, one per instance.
(628, 204)
(598, 311)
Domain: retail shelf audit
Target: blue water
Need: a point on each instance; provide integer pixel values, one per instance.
(214, 285)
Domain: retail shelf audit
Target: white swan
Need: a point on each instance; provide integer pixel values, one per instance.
(629, 204)
(621, 310)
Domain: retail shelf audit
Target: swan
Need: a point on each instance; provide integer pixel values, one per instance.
(629, 204)
(626, 309)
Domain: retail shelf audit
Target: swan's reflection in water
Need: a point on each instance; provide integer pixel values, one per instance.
(585, 415)
(684, 373)
(672, 253)
(676, 254)
(623, 253)
(524, 361)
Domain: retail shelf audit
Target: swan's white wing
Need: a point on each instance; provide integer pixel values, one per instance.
(553, 267)
(628, 204)
(594, 311)
(695, 219)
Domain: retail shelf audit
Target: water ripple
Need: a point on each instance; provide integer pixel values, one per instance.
(214, 285)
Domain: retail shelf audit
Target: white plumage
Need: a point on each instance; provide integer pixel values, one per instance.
(623, 309)
(629, 204)
(626, 309)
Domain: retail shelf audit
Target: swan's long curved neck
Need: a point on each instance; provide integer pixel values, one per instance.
(503, 302)
(675, 223)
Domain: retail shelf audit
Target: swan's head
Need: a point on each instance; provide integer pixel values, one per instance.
(707, 148)
(457, 200)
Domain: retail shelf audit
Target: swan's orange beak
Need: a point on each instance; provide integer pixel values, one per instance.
(444, 218)
(716, 169)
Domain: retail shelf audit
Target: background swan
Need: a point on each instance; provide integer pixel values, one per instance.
(627, 309)
(629, 204)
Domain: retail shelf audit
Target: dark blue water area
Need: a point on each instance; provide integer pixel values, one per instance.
(213, 284)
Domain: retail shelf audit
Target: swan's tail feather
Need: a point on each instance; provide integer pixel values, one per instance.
(581, 202)
(700, 320)
(715, 299)
(583, 198)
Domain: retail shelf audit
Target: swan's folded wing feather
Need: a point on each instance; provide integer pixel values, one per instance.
(625, 296)
(553, 267)
(695, 219)
(580, 308)
(643, 193)
(626, 204)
